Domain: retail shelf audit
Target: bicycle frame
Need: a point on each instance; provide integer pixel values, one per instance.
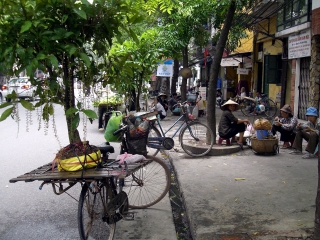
(159, 142)
(182, 124)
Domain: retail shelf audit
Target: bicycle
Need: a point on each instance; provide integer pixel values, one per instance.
(109, 190)
(196, 138)
(249, 105)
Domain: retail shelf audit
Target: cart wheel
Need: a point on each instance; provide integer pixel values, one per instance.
(94, 220)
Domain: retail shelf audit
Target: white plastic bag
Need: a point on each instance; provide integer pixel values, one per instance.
(195, 111)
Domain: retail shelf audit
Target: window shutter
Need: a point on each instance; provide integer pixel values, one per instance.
(271, 69)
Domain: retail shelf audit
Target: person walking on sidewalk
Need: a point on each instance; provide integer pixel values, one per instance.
(286, 125)
(308, 131)
(229, 125)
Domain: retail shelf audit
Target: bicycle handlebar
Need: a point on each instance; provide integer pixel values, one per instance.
(180, 104)
(120, 130)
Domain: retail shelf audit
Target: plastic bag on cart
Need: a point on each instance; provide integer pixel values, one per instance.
(113, 125)
(77, 156)
(130, 158)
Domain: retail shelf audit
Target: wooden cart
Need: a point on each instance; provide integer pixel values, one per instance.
(104, 200)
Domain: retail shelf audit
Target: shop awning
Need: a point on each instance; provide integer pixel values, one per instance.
(230, 62)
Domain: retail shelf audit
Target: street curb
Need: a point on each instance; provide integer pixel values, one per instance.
(220, 150)
(191, 225)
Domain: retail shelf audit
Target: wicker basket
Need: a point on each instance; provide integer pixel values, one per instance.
(265, 146)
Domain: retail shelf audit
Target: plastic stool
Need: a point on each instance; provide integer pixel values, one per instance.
(222, 139)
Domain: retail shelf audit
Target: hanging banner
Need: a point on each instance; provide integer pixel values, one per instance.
(203, 92)
(165, 69)
(299, 45)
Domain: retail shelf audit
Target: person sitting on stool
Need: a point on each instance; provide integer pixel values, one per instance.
(229, 125)
(286, 126)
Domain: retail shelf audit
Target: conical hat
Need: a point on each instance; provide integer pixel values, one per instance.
(229, 102)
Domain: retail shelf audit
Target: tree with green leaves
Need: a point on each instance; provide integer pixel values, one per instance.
(183, 26)
(138, 59)
(63, 38)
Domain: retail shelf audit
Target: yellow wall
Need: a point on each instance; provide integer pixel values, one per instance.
(246, 44)
(269, 48)
(274, 49)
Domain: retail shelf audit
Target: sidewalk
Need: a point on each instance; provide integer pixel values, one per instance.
(247, 196)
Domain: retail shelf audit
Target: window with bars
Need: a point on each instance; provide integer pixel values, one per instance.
(293, 13)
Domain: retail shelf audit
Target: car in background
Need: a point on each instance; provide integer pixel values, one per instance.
(22, 86)
(3, 92)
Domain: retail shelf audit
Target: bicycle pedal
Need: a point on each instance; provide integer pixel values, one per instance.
(129, 216)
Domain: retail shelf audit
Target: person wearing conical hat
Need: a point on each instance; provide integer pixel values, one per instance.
(285, 125)
(162, 99)
(229, 125)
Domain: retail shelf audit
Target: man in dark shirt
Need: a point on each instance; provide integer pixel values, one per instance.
(229, 125)
(173, 101)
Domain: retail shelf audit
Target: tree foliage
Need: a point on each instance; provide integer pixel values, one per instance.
(64, 37)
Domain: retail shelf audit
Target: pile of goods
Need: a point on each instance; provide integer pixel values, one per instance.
(77, 156)
(262, 124)
(264, 143)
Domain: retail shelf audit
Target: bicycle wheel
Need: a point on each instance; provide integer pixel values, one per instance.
(92, 210)
(271, 108)
(148, 185)
(193, 139)
(154, 132)
(246, 107)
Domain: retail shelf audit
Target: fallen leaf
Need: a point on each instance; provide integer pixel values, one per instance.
(215, 189)
(236, 200)
(238, 179)
(284, 182)
(255, 233)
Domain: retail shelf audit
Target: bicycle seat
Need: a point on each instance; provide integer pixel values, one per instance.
(105, 148)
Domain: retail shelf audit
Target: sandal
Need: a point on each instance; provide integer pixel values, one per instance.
(285, 147)
(240, 145)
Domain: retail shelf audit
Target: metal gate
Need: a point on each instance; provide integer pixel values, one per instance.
(304, 87)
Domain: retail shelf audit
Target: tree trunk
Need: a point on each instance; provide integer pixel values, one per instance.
(175, 76)
(184, 80)
(215, 66)
(69, 102)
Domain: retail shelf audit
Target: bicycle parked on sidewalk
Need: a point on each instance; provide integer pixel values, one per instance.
(195, 138)
(253, 107)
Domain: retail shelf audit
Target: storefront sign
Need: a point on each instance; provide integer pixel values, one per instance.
(299, 45)
(165, 69)
(230, 62)
(242, 71)
(203, 92)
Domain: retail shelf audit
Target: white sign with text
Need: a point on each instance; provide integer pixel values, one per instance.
(299, 45)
